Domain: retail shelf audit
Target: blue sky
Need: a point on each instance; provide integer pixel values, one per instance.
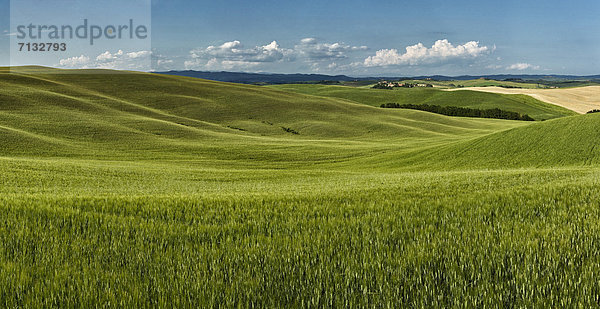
(368, 37)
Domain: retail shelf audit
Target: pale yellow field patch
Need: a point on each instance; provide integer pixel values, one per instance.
(581, 100)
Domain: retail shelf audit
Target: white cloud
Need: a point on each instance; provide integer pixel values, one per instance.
(163, 63)
(271, 47)
(417, 54)
(308, 41)
(234, 51)
(75, 62)
(227, 46)
(233, 54)
(139, 54)
(108, 56)
(522, 66)
(311, 49)
(120, 60)
(211, 64)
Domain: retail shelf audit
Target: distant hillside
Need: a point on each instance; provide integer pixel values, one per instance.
(150, 116)
(256, 78)
(521, 104)
(266, 78)
(140, 115)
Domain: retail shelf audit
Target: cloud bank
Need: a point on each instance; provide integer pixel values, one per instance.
(418, 54)
(233, 54)
(120, 60)
(308, 54)
(312, 49)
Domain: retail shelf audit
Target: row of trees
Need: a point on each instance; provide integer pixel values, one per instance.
(390, 86)
(462, 111)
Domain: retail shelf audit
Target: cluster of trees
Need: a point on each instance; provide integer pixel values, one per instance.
(594, 111)
(462, 111)
(386, 85)
(408, 85)
(383, 86)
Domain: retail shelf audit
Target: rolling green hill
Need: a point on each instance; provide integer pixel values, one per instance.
(135, 190)
(472, 99)
(560, 143)
(570, 141)
(146, 116)
(123, 115)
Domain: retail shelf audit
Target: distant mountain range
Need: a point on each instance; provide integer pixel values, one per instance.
(266, 78)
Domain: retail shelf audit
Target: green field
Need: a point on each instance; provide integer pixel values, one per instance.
(522, 104)
(483, 83)
(142, 190)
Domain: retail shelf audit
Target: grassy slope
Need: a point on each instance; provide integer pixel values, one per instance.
(132, 115)
(146, 116)
(560, 142)
(131, 190)
(472, 99)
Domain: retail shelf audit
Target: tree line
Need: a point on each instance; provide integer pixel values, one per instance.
(495, 113)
